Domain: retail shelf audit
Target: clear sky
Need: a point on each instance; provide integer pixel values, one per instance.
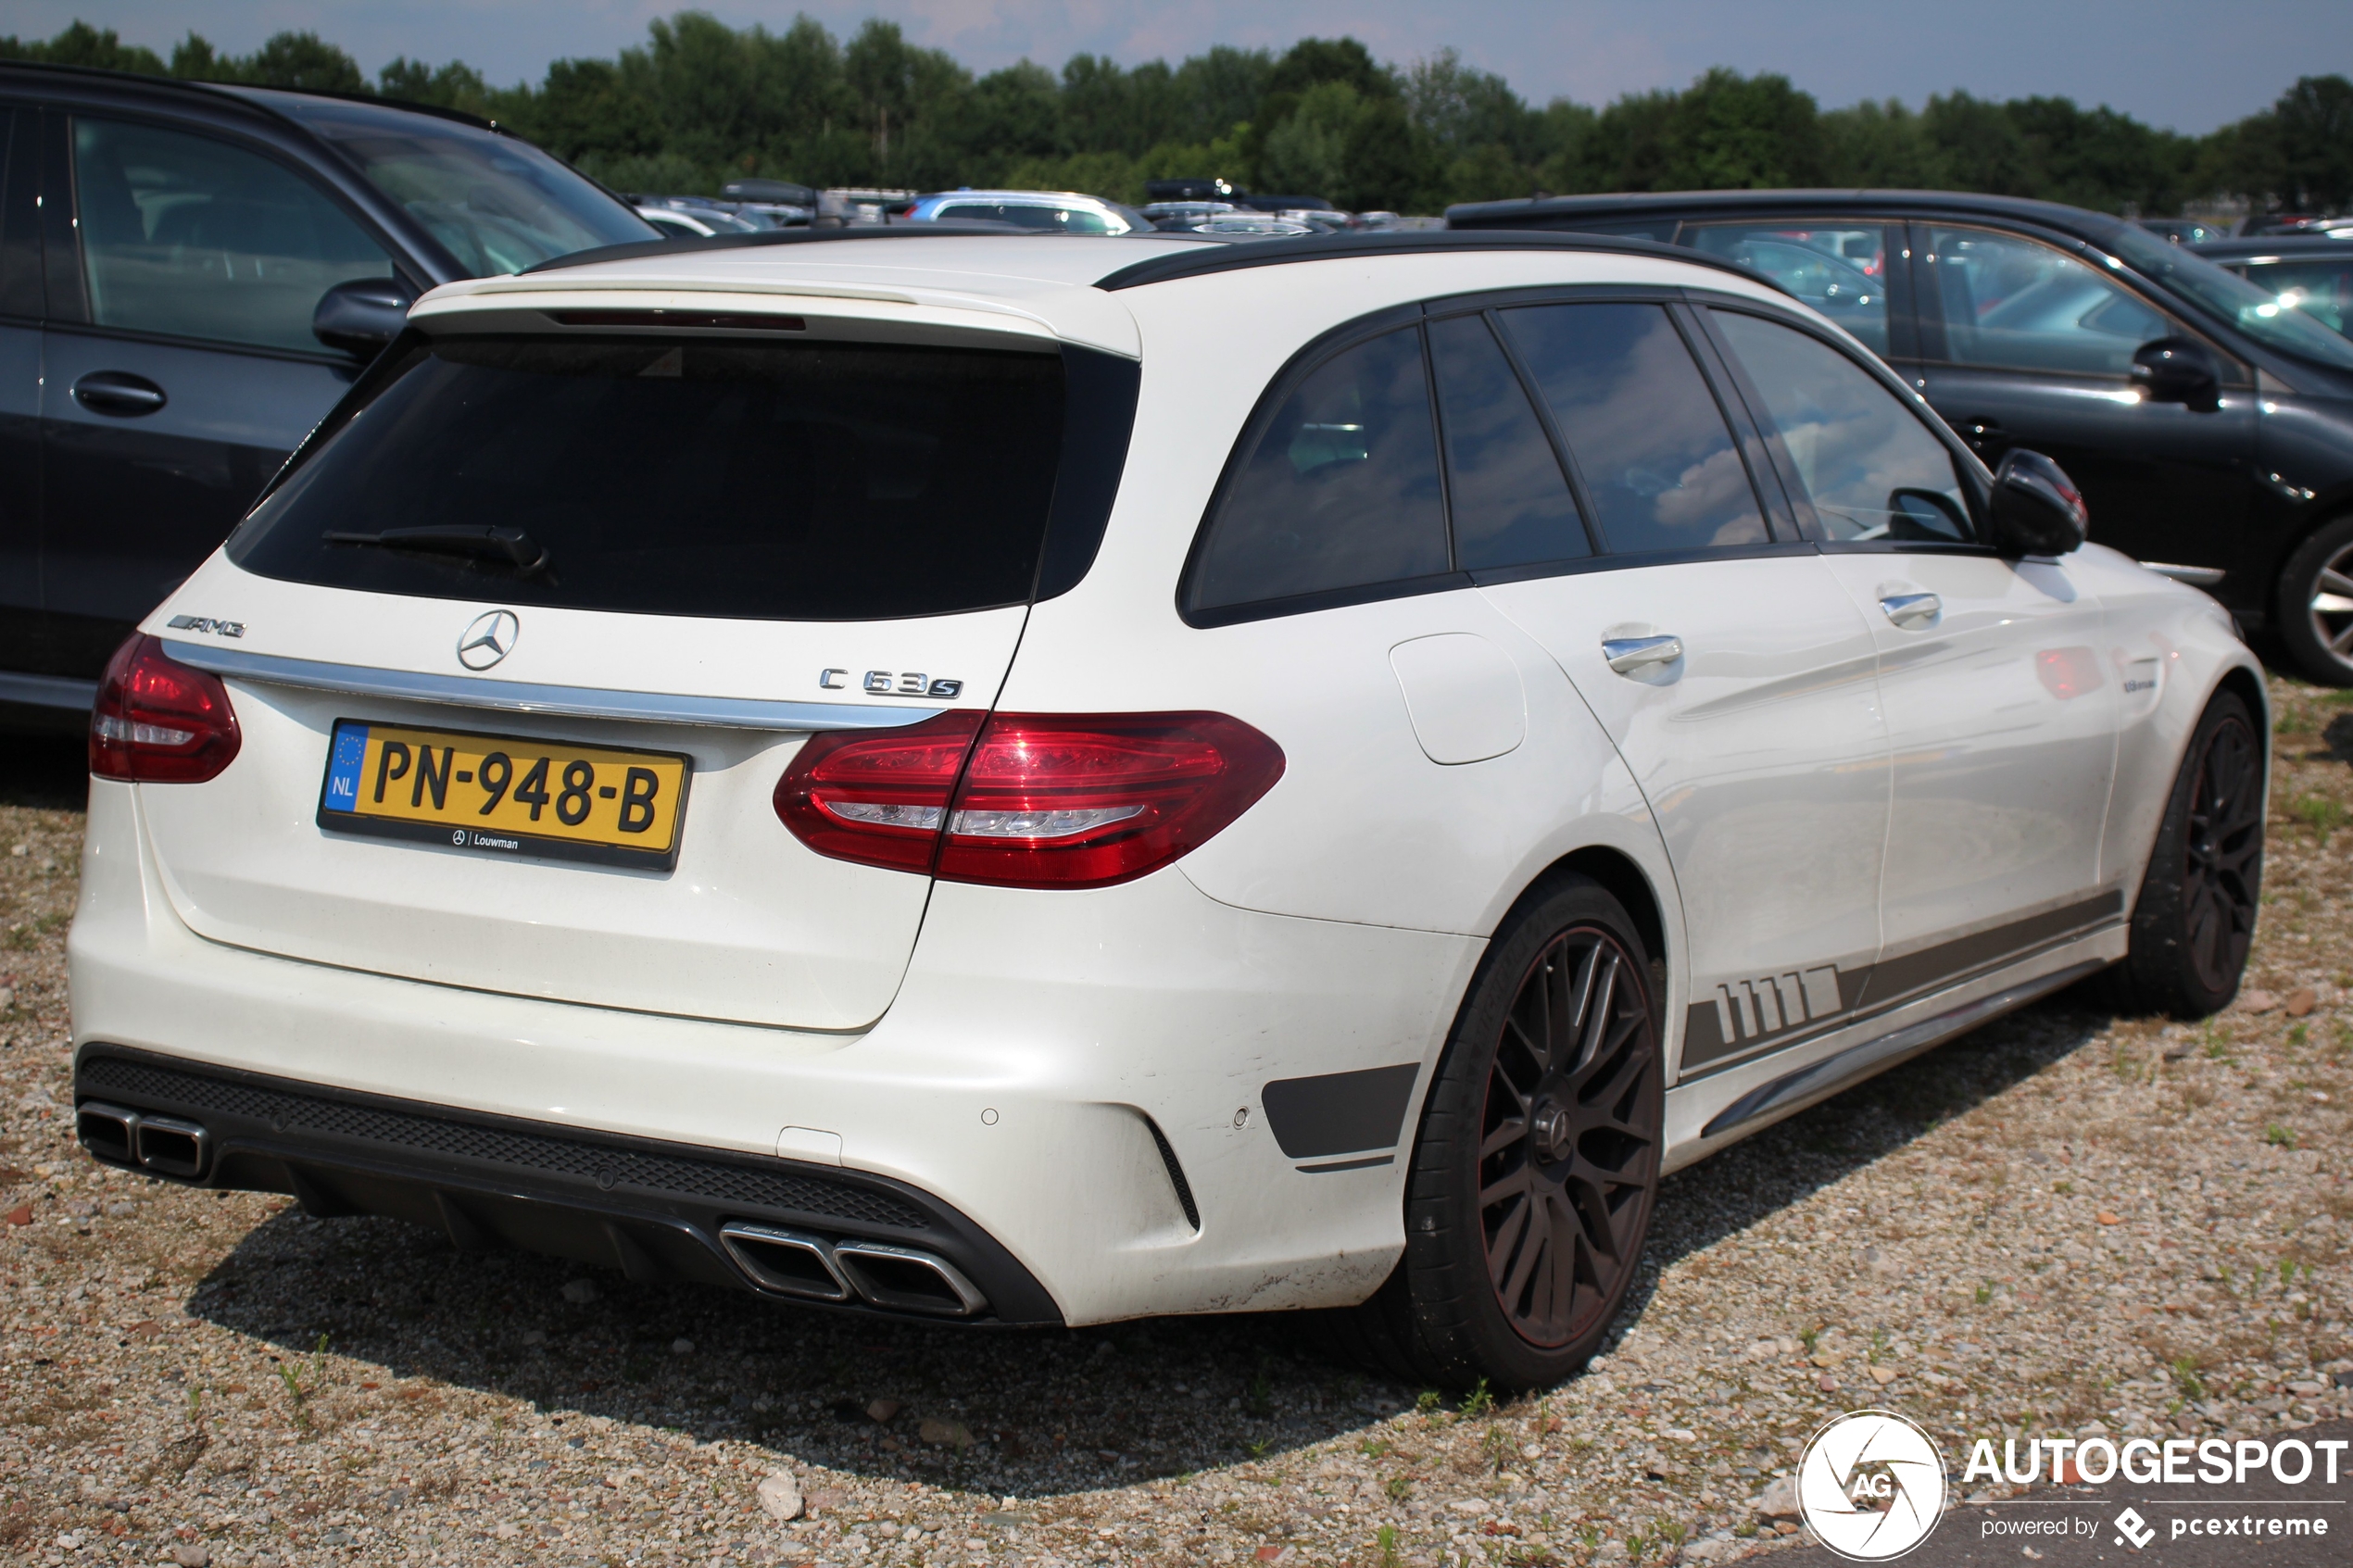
(2187, 64)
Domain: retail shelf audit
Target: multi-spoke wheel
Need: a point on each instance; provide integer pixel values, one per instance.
(2195, 913)
(1568, 1139)
(1533, 1174)
(2315, 604)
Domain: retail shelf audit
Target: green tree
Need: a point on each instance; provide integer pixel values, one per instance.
(82, 44)
(1731, 131)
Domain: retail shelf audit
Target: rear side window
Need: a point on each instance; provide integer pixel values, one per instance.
(1652, 446)
(1511, 502)
(733, 478)
(1870, 466)
(1341, 488)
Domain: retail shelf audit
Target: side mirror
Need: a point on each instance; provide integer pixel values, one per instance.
(2176, 370)
(2037, 511)
(360, 316)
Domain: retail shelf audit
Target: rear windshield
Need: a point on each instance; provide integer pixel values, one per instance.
(713, 477)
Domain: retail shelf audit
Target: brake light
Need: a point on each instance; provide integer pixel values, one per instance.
(159, 721)
(1041, 800)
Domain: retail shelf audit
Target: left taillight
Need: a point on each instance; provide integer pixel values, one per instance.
(1028, 800)
(158, 720)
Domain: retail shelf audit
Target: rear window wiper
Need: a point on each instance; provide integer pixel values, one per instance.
(510, 546)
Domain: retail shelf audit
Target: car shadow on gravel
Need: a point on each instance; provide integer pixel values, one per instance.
(44, 772)
(1730, 1191)
(1027, 1412)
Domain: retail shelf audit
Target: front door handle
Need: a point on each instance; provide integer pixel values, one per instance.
(1627, 655)
(1914, 613)
(118, 392)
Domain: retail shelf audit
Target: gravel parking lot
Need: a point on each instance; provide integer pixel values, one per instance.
(2065, 1221)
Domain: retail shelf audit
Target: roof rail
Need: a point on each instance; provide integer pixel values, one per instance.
(230, 90)
(934, 229)
(1326, 247)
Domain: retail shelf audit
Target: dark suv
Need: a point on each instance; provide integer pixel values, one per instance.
(2211, 430)
(190, 276)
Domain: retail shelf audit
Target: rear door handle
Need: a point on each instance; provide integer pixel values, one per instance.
(118, 392)
(1627, 655)
(1914, 613)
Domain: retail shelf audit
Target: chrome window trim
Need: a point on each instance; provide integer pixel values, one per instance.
(516, 696)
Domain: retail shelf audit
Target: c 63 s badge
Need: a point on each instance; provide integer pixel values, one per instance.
(884, 682)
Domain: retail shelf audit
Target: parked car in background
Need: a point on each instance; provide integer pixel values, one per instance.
(2187, 230)
(190, 276)
(681, 219)
(1253, 225)
(2311, 273)
(786, 205)
(1059, 212)
(1360, 756)
(2211, 430)
(1172, 216)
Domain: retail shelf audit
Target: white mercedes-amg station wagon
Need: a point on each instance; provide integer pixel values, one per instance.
(1041, 780)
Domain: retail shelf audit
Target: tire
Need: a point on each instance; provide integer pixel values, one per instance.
(2196, 914)
(1553, 1070)
(2315, 604)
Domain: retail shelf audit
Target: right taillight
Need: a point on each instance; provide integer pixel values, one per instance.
(158, 720)
(1031, 800)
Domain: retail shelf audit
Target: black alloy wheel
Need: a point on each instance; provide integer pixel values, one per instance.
(2222, 854)
(1569, 1144)
(2194, 918)
(1529, 1194)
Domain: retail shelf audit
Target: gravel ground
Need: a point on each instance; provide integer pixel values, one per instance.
(2062, 1221)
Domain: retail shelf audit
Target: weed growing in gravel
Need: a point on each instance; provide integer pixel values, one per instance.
(1477, 1402)
(1984, 1292)
(2185, 1378)
(1400, 1487)
(2279, 1136)
(1386, 1539)
(1426, 1402)
(2319, 813)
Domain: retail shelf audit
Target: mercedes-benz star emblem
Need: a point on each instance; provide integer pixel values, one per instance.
(488, 638)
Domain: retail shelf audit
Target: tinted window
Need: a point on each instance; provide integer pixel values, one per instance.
(723, 478)
(1871, 469)
(193, 237)
(1341, 490)
(1649, 440)
(1510, 501)
(2191, 277)
(2017, 302)
(1839, 271)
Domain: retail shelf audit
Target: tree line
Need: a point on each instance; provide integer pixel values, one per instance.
(701, 103)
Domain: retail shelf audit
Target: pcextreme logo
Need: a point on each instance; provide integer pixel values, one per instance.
(1870, 1485)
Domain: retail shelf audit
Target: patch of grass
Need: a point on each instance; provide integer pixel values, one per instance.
(2319, 813)
(1373, 1448)
(1256, 1446)
(1479, 1401)
(1984, 1292)
(2297, 1036)
(2185, 1378)
(1385, 1541)
(1427, 1402)
(1400, 1487)
(2279, 1136)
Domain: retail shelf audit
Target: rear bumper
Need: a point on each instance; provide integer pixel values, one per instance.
(652, 1211)
(1071, 1081)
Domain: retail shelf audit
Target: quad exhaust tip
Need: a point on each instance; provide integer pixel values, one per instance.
(900, 1279)
(166, 1145)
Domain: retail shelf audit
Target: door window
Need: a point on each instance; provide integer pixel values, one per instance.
(2322, 287)
(1649, 440)
(2017, 303)
(1341, 488)
(191, 237)
(1841, 271)
(1870, 467)
(1511, 503)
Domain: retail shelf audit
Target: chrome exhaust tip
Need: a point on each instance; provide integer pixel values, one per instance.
(108, 1131)
(908, 1281)
(785, 1262)
(171, 1146)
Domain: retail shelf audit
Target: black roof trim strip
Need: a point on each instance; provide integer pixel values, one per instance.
(932, 230)
(1330, 247)
(217, 91)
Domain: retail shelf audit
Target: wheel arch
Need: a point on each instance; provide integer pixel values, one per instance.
(1618, 875)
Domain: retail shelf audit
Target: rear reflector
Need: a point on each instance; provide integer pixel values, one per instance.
(1038, 801)
(158, 720)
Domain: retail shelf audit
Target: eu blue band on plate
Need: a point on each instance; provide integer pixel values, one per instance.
(342, 772)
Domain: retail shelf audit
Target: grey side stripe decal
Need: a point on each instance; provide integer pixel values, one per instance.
(1339, 1112)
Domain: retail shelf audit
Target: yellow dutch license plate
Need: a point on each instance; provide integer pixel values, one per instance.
(502, 795)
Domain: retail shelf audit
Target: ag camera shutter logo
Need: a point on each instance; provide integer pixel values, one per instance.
(1870, 1485)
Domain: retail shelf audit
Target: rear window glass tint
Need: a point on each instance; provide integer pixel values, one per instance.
(1648, 439)
(731, 478)
(1340, 489)
(1511, 502)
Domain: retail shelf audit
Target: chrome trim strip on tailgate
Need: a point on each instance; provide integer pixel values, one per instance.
(516, 696)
